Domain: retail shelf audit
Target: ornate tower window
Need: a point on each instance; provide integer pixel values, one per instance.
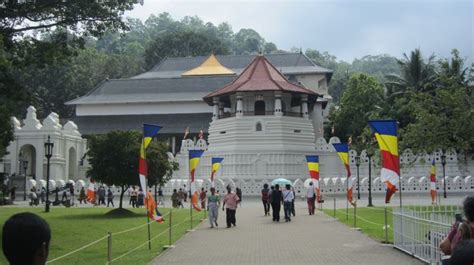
(258, 127)
(260, 107)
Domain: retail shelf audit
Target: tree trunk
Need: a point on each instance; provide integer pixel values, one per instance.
(121, 196)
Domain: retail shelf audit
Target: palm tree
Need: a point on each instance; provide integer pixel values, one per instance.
(416, 75)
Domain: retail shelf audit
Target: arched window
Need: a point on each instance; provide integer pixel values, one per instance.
(258, 127)
(259, 107)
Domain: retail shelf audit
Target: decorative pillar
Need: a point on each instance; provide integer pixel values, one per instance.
(221, 109)
(277, 111)
(215, 110)
(304, 106)
(239, 112)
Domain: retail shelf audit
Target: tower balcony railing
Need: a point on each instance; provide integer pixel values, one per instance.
(252, 113)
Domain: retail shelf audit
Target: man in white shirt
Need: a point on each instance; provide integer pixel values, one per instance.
(310, 198)
(288, 197)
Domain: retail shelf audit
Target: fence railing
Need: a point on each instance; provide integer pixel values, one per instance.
(419, 230)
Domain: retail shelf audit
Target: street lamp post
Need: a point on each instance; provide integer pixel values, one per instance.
(370, 180)
(443, 162)
(25, 167)
(357, 160)
(48, 150)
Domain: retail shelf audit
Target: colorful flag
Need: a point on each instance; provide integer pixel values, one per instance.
(149, 131)
(343, 153)
(216, 163)
(194, 158)
(91, 192)
(433, 182)
(152, 209)
(386, 135)
(313, 167)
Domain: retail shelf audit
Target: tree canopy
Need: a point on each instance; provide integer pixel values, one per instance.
(113, 158)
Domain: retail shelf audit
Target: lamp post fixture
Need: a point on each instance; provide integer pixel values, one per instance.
(443, 162)
(48, 152)
(370, 180)
(357, 160)
(25, 167)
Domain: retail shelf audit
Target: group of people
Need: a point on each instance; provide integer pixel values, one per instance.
(212, 203)
(99, 197)
(275, 197)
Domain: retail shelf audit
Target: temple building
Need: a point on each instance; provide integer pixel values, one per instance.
(171, 94)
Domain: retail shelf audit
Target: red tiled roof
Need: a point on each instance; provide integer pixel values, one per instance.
(259, 75)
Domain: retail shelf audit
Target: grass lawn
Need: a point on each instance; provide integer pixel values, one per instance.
(73, 228)
(371, 221)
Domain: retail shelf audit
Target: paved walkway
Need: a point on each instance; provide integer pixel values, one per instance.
(256, 239)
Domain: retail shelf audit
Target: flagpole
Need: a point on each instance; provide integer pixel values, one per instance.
(399, 175)
(145, 191)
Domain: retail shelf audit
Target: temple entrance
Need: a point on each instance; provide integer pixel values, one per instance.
(28, 154)
(259, 107)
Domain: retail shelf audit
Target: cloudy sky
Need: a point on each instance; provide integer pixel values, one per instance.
(346, 28)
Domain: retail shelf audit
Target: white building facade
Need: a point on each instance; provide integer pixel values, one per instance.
(68, 159)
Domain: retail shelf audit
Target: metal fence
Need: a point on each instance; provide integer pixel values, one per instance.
(418, 230)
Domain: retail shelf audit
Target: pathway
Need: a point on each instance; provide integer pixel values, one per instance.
(256, 239)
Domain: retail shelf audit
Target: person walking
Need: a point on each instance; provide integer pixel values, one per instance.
(101, 195)
(310, 198)
(140, 198)
(110, 198)
(161, 198)
(213, 202)
(82, 196)
(287, 199)
(133, 197)
(202, 198)
(182, 197)
(43, 195)
(276, 199)
(175, 199)
(230, 203)
(293, 211)
(238, 191)
(265, 199)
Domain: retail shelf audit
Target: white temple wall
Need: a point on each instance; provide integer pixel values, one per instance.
(255, 169)
(143, 108)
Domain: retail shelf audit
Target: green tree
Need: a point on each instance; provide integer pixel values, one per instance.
(360, 102)
(117, 164)
(113, 158)
(160, 167)
(443, 118)
(182, 43)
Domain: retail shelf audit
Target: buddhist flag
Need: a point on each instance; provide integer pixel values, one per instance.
(152, 209)
(343, 153)
(91, 192)
(386, 135)
(149, 131)
(216, 163)
(433, 182)
(313, 167)
(194, 158)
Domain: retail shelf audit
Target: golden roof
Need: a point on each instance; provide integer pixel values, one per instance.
(211, 66)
